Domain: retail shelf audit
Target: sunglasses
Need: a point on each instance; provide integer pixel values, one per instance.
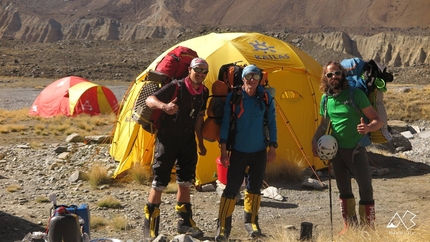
(200, 70)
(256, 77)
(331, 74)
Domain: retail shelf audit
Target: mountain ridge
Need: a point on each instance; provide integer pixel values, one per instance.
(392, 32)
(52, 20)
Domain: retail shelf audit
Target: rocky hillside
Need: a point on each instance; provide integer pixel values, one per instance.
(52, 20)
(386, 47)
(394, 33)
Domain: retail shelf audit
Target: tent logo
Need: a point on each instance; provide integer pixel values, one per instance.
(60, 84)
(406, 220)
(87, 106)
(34, 109)
(262, 46)
(267, 49)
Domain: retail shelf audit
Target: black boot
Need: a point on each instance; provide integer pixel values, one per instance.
(151, 222)
(251, 206)
(226, 208)
(186, 224)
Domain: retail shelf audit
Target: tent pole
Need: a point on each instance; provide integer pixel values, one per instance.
(293, 134)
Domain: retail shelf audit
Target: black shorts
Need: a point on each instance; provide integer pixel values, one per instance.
(178, 151)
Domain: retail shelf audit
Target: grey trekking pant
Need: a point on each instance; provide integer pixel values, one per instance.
(353, 163)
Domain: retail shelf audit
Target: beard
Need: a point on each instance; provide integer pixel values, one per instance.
(335, 84)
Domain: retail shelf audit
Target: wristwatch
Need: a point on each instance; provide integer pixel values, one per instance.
(273, 144)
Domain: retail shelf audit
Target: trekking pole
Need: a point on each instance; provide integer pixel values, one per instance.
(330, 198)
(53, 198)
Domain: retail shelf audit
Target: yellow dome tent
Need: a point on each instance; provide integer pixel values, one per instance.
(293, 73)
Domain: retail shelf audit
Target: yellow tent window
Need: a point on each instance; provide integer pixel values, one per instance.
(289, 94)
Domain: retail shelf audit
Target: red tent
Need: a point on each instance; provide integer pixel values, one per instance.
(74, 95)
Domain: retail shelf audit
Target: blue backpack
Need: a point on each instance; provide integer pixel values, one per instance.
(354, 68)
(365, 74)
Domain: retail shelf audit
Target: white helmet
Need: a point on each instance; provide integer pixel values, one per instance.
(327, 147)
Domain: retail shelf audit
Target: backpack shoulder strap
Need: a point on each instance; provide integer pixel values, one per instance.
(266, 116)
(325, 100)
(352, 101)
(365, 139)
(235, 99)
(178, 86)
(175, 94)
(266, 102)
(266, 99)
(327, 126)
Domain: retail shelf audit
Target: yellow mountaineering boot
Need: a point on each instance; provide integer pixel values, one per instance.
(226, 208)
(251, 206)
(186, 224)
(151, 221)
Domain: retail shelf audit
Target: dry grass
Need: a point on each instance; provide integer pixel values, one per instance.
(36, 129)
(13, 188)
(172, 188)
(284, 171)
(380, 234)
(120, 222)
(11, 117)
(142, 174)
(42, 199)
(13, 128)
(10, 121)
(98, 175)
(98, 222)
(109, 202)
(408, 104)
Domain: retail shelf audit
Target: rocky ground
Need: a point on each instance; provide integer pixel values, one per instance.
(40, 172)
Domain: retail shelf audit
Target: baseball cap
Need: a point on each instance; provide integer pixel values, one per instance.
(199, 61)
(250, 69)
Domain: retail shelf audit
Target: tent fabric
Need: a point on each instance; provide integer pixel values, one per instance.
(74, 95)
(293, 74)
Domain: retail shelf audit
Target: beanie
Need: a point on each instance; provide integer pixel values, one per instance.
(250, 69)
